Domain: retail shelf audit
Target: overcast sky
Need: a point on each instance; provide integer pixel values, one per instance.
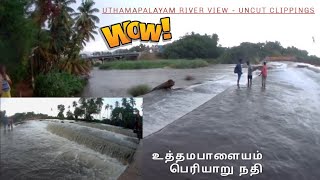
(49, 105)
(289, 29)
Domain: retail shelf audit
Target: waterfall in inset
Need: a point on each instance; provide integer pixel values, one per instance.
(113, 144)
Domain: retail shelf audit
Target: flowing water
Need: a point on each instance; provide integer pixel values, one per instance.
(115, 83)
(281, 121)
(30, 151)
(115, 145)
(162, 108)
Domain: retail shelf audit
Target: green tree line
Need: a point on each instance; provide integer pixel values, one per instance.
(122, 115)
(193, 46)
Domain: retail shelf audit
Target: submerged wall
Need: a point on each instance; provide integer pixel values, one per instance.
(112, 144)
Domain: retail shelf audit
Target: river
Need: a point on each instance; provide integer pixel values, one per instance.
(31, 151)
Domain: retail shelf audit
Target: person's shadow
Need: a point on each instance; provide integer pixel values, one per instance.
(7, 130)
(263, 89)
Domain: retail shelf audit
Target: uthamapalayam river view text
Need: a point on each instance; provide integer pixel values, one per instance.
(135, 90)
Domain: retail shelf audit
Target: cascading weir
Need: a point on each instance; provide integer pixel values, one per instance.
(111, 128)
(112, 144)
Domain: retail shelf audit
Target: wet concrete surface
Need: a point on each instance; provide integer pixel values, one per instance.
(281, 122)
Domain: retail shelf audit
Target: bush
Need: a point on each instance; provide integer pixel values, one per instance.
(139, 90)
(55, 84)
(97, 64)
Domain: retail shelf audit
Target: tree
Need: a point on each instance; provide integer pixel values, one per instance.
(61, 109)
(116, 104)
(78, 112)
(127, 112)
(99, 103)
(193, 46)
(255, 52)
(139, 48)
(132, 102)
(17, 36)
(124, 102)
(74, 104)
(90, 106)
(43, 10)
(85, 24)
(69, 115)
(70, 28)
(60, 24)
(107, 108)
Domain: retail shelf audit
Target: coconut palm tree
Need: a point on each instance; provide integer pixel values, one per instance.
(132, 102)
(117, 104)
(85, 21)
(74, 104)
(107, 108)
(83, 31)
(75, 66)
(99, 103)
(60, 25)
(111, 109)
(42, 11)
(124, 102)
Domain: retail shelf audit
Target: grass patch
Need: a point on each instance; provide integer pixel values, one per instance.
(139, 90)
(152, 64)
(212, 61)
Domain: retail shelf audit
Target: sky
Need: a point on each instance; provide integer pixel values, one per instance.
(49, 105)
(289, 29)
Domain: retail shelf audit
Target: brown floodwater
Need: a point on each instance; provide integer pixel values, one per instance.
(115, 83)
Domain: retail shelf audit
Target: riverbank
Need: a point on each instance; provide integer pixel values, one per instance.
(154, 64)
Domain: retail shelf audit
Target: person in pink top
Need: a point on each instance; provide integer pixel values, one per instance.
(264, 72)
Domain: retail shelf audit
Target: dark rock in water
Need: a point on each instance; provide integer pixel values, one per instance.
(166, 85)
(62, 121)
(189, 78)
(71, 122)
(301, 66)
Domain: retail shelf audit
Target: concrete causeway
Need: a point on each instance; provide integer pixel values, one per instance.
(281, 122)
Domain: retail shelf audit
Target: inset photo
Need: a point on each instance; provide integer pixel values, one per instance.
(68, 138)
